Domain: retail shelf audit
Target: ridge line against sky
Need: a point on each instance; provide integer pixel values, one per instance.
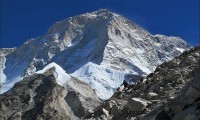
(24, 19)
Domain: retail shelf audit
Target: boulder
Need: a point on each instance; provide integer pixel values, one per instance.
(176, 108)
(15, 116)
(114, 110)
(105, 112)
(141, 84)
(157, 115)
(90, 111)
(136, 104)
(163, 115)
(192, 93)
(187, 114)
(173, 76)
(108, 105)
(151, 95)
(113, 102)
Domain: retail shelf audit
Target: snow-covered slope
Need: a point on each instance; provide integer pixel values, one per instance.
(101, 78)
(3, 53)
(61, 76)
(98, 41)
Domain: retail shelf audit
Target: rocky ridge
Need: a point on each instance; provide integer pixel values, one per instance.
(40, 97)
(172, 92)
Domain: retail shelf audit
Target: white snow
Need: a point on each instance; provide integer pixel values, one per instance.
(153, 94)
(139, 50)
(3, 53)
(103, 80)
(180, 49)
(61, 76)
(127, 50)
(13, 78)
(10, 84)
(157, 44)
(2, 66)
(140, 100)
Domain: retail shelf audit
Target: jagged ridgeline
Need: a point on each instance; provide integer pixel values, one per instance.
(172, 92)
(98, 48)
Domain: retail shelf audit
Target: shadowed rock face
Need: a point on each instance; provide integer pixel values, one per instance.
(40, 97)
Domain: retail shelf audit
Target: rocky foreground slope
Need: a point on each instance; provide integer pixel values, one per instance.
(172, 92)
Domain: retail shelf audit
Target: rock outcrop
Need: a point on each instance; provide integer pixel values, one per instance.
(40, 97)
(136, 104)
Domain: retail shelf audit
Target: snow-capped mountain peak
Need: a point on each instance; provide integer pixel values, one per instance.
(101, 38)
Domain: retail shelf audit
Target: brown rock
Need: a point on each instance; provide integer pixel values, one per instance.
(187, 114)
(114, 110)
(151, 95)
(105, 112)
(192, 93)
(136, 104)
(176, 108)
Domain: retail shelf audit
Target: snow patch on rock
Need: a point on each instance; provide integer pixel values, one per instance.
(61, 76)
(180, 49)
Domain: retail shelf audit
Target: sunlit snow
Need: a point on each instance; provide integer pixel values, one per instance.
(104, 80)
(61, 76)
(10, 84)
(180, 49)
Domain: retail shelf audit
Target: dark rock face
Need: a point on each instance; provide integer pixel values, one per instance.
(136, 104)
(74, 102)
(40, 97)
(163, 115)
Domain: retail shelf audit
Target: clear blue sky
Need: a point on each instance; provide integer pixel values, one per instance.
(24, 19)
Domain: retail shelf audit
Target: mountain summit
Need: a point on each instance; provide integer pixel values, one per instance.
(97, 47)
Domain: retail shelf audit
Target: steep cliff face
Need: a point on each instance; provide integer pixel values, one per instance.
(102, 40)
(172, 92)
(41, 97)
